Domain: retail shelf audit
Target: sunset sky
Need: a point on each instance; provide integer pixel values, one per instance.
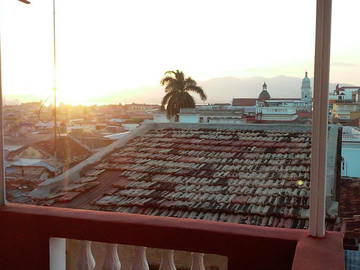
(114, 45)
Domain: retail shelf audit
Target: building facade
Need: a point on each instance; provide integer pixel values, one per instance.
(345, 105)
(245, 110)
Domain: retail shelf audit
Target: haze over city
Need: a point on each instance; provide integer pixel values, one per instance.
(107, 54)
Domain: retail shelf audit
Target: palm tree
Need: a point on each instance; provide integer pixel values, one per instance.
(177, 89)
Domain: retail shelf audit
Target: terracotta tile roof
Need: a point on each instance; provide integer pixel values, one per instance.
(349, 197)
(242, 176)
(351, 229)
(249, 176)
(244, 101)
(349, 210)
(69, 150)
(13, 154)
(304, 114)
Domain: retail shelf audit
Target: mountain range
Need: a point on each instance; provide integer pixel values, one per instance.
(218, 90)
(224, 89)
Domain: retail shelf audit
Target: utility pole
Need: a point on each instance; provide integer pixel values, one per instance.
(54, 82)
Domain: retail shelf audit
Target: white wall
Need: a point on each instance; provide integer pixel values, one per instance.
(342, 111)
(351, 155)
(130, 126)
(224, 120)
(273, 117)
(161, 118)
(277, 110)
(347, 96)
(189, 118)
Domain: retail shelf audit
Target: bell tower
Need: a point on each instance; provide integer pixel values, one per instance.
(306, 89)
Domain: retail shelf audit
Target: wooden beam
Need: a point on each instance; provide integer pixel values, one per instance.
(320, 119)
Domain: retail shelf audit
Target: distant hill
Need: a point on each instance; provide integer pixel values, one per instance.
(226, 88)
(217, 89)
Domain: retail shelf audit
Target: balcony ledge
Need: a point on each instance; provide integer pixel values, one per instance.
(26, 230)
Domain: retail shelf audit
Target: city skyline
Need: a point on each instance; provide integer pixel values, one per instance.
(219, 90)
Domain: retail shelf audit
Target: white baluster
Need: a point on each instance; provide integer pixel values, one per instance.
(167, 260)
(126, 262)
(197, 261)
(111, 261)
(86, 260)
(140, 262)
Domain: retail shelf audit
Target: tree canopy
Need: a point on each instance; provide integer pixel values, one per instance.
(177, 92)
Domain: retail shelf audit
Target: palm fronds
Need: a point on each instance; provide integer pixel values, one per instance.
(177, 89)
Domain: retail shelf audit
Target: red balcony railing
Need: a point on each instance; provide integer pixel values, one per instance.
(26, 230)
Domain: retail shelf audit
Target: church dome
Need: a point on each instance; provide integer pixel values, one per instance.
(264, 93)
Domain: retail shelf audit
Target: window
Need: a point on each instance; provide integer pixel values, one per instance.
(121, 52)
